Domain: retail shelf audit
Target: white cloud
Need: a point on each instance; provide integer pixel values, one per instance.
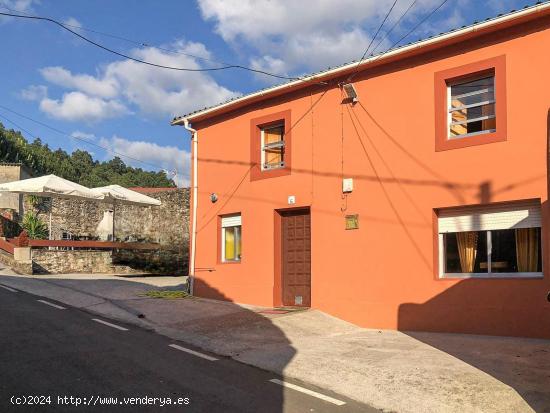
(106, 88)
(164, 91)
(125, 84)
(174, 160)
(72, 23)
(34, 92)
(77, 106)
(289, 35)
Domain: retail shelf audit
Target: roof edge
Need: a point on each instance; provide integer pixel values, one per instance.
(381, 57)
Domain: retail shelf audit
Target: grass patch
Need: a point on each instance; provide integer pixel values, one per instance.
(166, 294)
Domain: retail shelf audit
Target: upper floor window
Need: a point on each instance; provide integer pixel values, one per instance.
(470, 104)
(273, 147)
(471, 107)
(270, 146)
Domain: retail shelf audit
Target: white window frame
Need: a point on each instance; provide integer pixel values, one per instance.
(450, 108)
(278, 144)
(230, 222)
(488, 274)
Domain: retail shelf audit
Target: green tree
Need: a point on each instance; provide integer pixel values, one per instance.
(78, 166)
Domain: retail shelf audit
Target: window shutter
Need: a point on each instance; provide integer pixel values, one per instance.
(231, 221)
(484, 218)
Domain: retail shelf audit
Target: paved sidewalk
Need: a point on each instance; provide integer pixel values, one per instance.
(394, 371)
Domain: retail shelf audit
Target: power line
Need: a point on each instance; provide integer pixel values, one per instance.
(414, 28)
(74, 137)
(406, 35)
(135, 42)
(374, 37)
(394, 26)
(182, 69)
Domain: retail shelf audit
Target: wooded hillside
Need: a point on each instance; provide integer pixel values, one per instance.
(78, 166)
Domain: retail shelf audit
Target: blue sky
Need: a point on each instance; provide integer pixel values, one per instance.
(53, 77)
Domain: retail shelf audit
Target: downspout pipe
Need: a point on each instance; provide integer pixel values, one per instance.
(194, 155)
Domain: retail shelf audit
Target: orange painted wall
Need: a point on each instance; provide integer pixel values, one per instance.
(382, 275)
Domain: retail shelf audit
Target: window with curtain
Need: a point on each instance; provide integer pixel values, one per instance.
(273, 147)
(231, 238)
(491, 241)
(471, 107)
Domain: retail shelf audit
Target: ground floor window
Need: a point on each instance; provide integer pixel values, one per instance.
(231, 238)
(491, 241)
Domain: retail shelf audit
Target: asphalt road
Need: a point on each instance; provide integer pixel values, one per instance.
(48, 351)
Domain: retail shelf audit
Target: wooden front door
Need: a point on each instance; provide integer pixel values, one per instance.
(296, 258)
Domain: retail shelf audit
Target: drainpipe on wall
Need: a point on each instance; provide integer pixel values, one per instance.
(194, 139)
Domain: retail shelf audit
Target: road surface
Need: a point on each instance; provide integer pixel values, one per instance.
(57, 358)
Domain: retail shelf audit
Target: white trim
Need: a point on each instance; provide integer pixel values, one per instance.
(493, 275)
(231, 221)
(491, 217)
(465, 135)
(472, 105)
(401, 50)
(472, 119)
(194, 202)
(475, 92)
(223, 245)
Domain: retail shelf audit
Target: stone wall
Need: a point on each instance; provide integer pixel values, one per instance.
(161, 261)
(167, 224)
(58, 261)
(20, 267)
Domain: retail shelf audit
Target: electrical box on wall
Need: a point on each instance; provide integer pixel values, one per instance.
(347, 185)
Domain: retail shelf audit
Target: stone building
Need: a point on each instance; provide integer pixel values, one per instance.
(12, 172)
(166, 224)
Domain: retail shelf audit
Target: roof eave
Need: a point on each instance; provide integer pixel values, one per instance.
(422, 46)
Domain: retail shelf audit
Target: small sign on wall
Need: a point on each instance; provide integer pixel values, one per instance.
(352, 221)
(291, 200)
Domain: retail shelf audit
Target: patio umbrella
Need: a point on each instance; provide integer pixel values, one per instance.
(50, 186)
(119, 194)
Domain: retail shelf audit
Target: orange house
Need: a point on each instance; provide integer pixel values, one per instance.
(408, 191)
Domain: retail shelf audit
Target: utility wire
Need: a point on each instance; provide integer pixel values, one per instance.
(74, 137)
(374, 37)
(413, 29)
(428, 16)
(394, 26)
(182, 69)
(135, 42)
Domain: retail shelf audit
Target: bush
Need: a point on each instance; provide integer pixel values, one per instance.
(35, 228)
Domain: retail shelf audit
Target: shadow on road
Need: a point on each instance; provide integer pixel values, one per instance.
(217, 326)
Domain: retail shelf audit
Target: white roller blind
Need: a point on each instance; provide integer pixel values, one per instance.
(231, 221)
(483, 218)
